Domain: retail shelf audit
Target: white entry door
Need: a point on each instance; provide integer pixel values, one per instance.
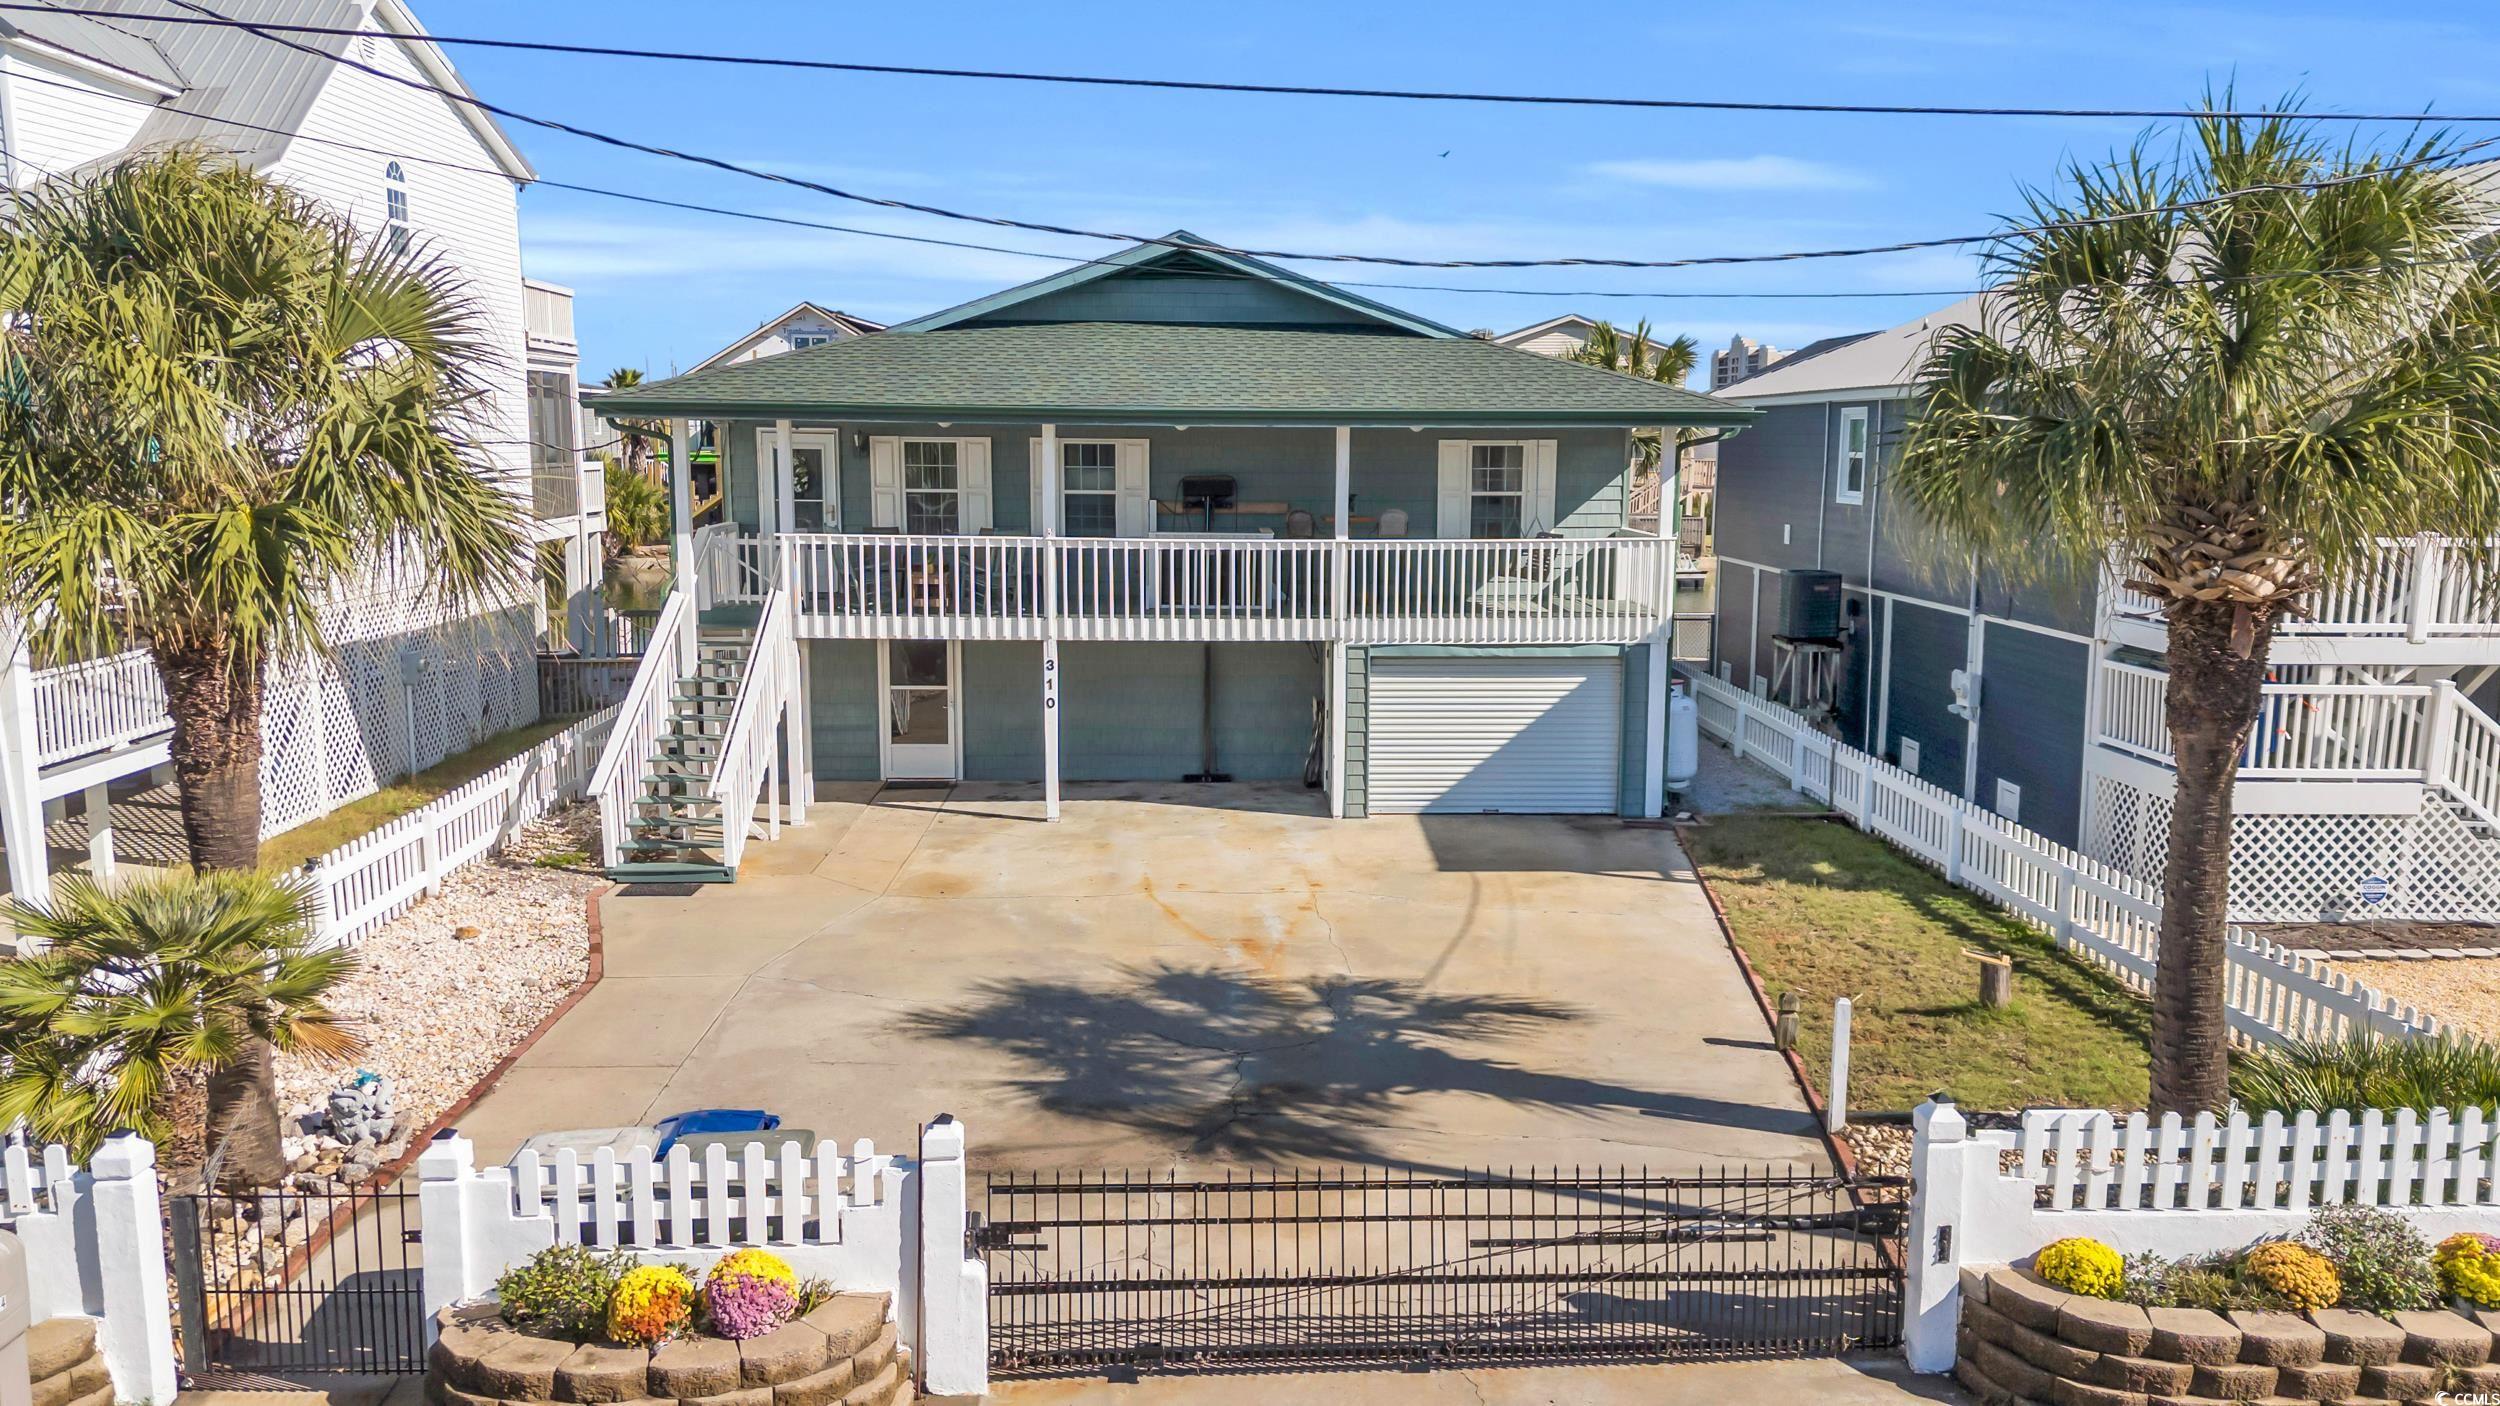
(923, 726)
(1484, 734)
(815, 480)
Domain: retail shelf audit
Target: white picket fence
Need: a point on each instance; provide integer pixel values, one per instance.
(2089, 1159)
(94, 1241)
(2108, 918)
(863, 1221)
(2164, 1187)
(376, 877)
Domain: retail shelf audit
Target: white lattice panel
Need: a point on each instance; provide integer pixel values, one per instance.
(336, 728)
(2291, 868)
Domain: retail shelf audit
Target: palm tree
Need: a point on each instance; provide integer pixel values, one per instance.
(1668, 363)
(143, 980)
(637, 436)
(227, 403)
(2237, 370)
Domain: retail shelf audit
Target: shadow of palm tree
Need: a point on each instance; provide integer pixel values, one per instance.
(1254, 1068)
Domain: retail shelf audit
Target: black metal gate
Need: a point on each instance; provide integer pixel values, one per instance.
(1098, 1269)
(285, 1284)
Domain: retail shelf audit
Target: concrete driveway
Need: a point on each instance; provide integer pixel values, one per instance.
(1181, 975)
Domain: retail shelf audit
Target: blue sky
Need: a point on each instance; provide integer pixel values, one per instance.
(661, 290)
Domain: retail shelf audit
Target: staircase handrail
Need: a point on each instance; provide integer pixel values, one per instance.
(2469, 770)
(640, 716)
(747, 743)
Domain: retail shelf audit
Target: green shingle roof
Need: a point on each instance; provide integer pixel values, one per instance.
(1124, 372)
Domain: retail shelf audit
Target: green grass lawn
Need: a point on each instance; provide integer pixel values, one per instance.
(362, 817)
(1826, 911)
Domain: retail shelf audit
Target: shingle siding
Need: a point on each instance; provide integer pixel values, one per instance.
(2033, 695)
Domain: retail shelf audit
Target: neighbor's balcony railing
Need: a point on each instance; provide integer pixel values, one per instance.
(2342, 732)
(567, 493)
(880, 585)
(2418, 589)
(97, 705)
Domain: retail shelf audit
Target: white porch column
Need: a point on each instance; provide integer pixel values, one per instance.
(802, 734)
(1654, 722)
(1345, 482)
(100, 831)
(681, 502)
(1048, 529)
(21, 815)
(1050, 728)
(785, 480)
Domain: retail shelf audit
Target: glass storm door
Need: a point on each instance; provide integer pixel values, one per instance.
(923, 726)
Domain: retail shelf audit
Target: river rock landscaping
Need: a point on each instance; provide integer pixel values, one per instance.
(443, 993)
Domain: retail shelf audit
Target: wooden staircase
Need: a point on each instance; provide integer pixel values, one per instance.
(674, 833)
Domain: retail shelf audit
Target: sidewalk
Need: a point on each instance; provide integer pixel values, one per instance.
(1860, 1381)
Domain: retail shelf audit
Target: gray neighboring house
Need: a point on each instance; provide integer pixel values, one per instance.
(2044, 702)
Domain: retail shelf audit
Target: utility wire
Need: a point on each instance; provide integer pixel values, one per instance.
(1299, 90)
(1042, 227)
(1064, 259)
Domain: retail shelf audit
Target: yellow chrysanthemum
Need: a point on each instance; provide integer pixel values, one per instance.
(2301, 1275)
(651, 1305)
(756, 1264)
(2082, 1265)
(2469, 1268)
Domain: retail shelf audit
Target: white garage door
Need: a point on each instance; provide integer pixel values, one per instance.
(1538, 735)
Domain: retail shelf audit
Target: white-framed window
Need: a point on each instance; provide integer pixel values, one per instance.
(1497, 489)
(801, 341)
(932, 486)
(394, 207)
(1089, 488)
(1849, 468)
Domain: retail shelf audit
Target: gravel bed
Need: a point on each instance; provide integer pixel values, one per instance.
(2395, 936)
(446, 989)
(2464, 992)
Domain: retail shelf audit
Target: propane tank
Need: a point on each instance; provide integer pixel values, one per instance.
(1683, 737)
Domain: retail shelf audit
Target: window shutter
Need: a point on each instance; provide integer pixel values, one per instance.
(1540, 457)
(1033, 481)
(1450, 518)
(885, 481)
(972, 457)
(1136, 506)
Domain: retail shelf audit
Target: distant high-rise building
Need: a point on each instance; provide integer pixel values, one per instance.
(1743, 357)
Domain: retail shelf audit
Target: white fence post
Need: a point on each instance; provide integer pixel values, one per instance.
(1961, 1212)
(954, 1284)
(1836, 1095)
(137, 1336)
(471, 1230)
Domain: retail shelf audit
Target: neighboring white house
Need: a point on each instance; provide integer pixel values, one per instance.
(362, 124)
(1555, 336)
(806, 325)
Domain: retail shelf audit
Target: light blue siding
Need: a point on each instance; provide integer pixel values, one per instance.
(1274, 471)
(842, 699)
(1202, 297)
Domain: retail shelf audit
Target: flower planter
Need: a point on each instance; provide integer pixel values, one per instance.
(843, 1353)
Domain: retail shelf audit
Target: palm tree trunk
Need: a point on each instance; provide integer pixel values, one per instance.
(216, 753)
(2212, 704)
(243, 1120)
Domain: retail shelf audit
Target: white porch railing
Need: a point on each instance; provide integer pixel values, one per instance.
(750, 744)
(97, 705)
(635, 734)
(884, 585)
(2418, 589)
(2347, 732)
(2470, 770)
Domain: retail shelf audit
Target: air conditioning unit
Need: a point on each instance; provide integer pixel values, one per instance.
(1809, 605)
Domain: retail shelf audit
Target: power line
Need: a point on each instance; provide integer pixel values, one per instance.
(1080, 261)
(1300, 90)
(1041, 227)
